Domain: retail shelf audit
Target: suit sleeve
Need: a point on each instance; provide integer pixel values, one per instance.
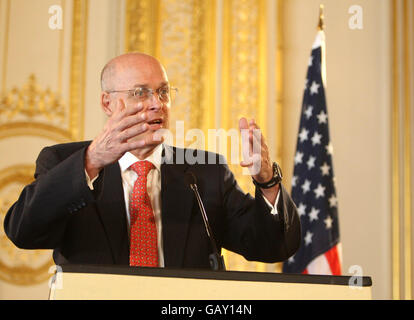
(251, 229)
(37, 220)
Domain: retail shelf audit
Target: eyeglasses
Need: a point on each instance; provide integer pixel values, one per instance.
(141, 94)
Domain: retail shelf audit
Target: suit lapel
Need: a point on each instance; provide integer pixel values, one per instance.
(177, 202)
(111, 208)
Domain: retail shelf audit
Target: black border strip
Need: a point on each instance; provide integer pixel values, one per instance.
(216, 275)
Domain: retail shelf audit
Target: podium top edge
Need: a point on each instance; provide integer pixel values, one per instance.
(216, 275)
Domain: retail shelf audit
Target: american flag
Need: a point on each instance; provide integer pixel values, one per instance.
(313, 182)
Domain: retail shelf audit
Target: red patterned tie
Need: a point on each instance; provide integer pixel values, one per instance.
(143, 242)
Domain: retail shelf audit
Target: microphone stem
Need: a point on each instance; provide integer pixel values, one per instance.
(205, 218)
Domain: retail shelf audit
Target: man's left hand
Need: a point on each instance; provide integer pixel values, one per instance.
(256, 159)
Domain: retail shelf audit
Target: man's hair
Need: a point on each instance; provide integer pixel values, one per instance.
(107, 75)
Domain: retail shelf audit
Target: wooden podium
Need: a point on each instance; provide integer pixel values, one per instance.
(87, 282)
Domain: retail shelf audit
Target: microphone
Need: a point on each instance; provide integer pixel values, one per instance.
(216, 260)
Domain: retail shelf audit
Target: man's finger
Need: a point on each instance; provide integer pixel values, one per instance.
(120, 106)
(149, 140)
(130, 121)
(133, 131)
(123, 111)
(243, 124)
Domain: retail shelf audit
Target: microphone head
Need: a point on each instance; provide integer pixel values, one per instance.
(190, 178)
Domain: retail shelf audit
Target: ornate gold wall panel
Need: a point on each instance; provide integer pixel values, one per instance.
(41, 98)
(78, 68)
(28, 108)
(142, 26)
(402, 17)
(17, 266)
(244, 69)
(245, 83)
(181, 33)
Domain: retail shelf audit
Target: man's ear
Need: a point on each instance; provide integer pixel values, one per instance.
(106, 103)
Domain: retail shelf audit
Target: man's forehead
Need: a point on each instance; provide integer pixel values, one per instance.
(135, 69)
(142, 67)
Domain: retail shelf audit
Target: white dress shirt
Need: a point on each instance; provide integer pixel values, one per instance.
(154, 190)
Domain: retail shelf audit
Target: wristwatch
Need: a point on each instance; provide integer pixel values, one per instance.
(276, 179)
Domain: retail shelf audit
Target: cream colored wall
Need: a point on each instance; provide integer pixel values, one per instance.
(359, 106)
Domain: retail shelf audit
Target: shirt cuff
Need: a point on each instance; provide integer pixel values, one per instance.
(90, 182)
(273, 207)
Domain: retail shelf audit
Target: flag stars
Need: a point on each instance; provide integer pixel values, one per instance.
(328, 222)
(306, 186)
(325, 169)
(298, 157)
(319, 191)
(316, 139)
(303, 136)
(314, 88)
(329, 148)
(310, 61)
(322, 117)
(308, 238)
(333, 201)
(308, 112)
(313, 215)
(311, 162)
(301, 209)
(294, 181)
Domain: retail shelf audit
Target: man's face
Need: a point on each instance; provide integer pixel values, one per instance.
(147, 77)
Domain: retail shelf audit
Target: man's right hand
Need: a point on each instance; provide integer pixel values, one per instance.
(112, 143)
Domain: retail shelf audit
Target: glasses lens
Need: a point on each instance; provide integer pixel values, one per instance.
(164, 94)
(141, 94)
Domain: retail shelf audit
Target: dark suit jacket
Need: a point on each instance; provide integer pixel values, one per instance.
(58, 211)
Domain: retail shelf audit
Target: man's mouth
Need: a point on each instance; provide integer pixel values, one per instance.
(155, 124)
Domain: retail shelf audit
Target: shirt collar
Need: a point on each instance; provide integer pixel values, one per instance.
(129, 159)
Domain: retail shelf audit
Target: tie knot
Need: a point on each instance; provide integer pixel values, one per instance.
(142, 168)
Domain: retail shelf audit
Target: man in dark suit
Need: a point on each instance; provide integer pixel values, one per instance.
(92, 203)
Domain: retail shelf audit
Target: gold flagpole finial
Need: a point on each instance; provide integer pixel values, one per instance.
(321, 24)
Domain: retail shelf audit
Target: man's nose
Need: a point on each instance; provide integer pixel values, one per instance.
(154, 102)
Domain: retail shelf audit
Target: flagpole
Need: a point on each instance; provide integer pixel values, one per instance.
(321, 23)
(321, 29)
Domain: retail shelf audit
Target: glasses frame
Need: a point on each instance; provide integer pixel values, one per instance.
(150, 91)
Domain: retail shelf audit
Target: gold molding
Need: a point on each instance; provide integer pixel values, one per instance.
(210, 31)
(32, 110)
(262, 66)
(78, 68)
(21, 273)
(395, 158)
(407, 152)
(26, 128)
(401, 128)
(244, 71)
(181, 34)
(32, 101)
(279, 82)
(142, 26)
(28, 105)
(61, 52)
